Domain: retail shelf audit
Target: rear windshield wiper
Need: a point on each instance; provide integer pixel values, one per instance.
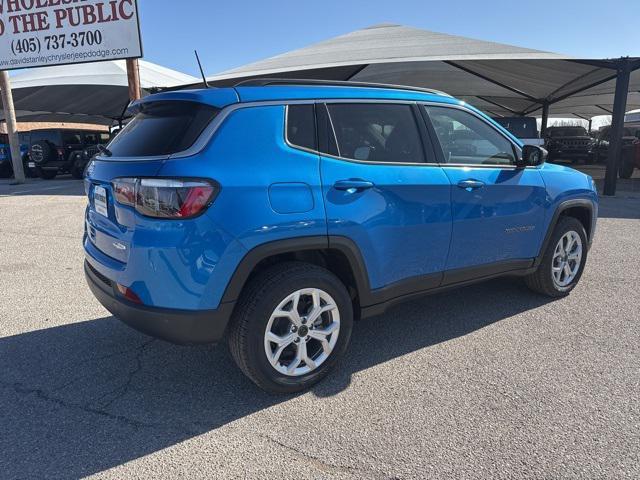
(105, 151)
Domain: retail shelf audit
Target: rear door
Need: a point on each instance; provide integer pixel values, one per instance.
(498, 208)
(384, 190)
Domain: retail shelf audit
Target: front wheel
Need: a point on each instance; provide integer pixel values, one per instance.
(563, 261)
(47, 174)
(291, 326)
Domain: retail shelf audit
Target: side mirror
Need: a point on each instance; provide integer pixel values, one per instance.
(532, 156)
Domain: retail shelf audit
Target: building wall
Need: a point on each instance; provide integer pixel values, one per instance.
(27, 126)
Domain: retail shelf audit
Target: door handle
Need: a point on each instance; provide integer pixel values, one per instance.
(353, 185)
(470, 185)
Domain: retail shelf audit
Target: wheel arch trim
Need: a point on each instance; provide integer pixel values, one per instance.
(560, 209)
(294, 245)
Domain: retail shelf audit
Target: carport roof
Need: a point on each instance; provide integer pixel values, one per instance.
(71, 93)
(501, 79)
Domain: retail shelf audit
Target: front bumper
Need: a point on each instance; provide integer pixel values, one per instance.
(183, 327)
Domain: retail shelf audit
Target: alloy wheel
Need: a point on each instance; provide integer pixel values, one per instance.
(567, 258)
(302, 332)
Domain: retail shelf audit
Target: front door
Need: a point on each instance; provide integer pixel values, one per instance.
(498, 208)
(384, 190)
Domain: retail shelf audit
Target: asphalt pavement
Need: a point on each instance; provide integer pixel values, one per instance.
(489, 381)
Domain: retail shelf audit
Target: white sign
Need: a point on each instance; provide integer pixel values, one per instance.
(39, 33)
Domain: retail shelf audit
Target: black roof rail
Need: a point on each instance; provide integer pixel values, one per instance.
(263, 82)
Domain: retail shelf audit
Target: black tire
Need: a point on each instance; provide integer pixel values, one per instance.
(252, 313)
(626, 170)
(542, 280)
(77, 168)
(47, 174)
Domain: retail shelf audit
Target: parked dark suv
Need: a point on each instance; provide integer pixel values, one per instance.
(55, 151)
(6, 167)
(569, 143)
(630, 149)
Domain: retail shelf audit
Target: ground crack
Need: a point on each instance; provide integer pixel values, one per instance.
(123, 389)
(42, 395)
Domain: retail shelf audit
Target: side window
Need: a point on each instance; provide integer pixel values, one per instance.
(71, 138)
(466, 139)
(301, 126)
(377, 132)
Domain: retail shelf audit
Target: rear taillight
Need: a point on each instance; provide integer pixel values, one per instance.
(165, 197)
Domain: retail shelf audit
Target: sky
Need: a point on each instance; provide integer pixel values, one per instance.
(230, 34)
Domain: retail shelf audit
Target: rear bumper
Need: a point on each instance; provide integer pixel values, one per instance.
(183, 327)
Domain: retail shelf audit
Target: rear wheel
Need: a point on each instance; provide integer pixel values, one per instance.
(626, 170)
(563, 261)
(291, 326)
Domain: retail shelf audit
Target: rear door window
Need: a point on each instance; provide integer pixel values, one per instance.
(162, 128)
(386, 133)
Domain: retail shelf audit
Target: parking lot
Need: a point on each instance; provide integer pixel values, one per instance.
(490, 381)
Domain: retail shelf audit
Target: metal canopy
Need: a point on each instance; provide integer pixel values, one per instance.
(84, 93)
(503, 80)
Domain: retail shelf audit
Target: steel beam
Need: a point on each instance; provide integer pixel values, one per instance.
(617, 125)
(545, 120)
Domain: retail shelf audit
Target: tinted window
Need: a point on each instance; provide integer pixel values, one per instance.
(91, 138)
(4, 139)
(71, 138)
(467, 139)
(51, 136)
(377, 132)
(162, 128)
(301, 126)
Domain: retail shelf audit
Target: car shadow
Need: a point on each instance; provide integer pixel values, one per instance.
(82, 398)
(65, 185)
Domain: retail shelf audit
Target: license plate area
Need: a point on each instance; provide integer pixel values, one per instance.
(100, 201)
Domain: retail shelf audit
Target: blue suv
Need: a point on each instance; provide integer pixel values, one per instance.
(272, 214)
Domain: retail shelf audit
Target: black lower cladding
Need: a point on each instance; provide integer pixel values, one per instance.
(183, 327)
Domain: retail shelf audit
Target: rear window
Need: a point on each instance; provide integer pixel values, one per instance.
(71, 138)
(162, 128)
(51, 136)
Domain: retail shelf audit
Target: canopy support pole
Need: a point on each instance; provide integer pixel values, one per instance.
(12, 127)
(617, 124)
(133, 76)
(545, 119)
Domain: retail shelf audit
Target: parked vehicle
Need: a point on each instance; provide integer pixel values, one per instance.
(523, 128)
(55, 151)
(6, 165)
(569, 143)
(630, 149)
(273, 215)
